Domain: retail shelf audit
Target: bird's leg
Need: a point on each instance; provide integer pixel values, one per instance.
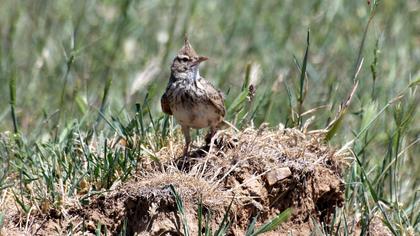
(210, 135)
(186, 132)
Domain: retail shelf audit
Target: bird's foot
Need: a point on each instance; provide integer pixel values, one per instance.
(209, 137)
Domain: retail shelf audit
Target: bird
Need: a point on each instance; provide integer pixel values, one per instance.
(190, 98)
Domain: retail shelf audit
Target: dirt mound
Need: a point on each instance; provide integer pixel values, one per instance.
(261, 172)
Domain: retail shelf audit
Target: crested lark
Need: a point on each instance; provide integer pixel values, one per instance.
(192, 100)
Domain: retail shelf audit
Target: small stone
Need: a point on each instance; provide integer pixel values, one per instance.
(277, 174)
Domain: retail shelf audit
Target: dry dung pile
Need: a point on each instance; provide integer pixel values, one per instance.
(261, 171)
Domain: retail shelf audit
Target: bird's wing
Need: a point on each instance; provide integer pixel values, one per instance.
(164, 103)
(214, 96)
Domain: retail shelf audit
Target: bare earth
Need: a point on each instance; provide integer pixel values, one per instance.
(264, 171)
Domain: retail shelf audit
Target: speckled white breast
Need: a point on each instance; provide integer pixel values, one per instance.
(190, 106)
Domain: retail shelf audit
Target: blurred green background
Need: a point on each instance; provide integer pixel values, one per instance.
(132, 43)
(71, 59)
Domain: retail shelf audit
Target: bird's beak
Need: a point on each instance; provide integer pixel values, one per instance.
(199, 60)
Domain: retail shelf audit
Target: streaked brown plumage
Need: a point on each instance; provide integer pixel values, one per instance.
(192, 100)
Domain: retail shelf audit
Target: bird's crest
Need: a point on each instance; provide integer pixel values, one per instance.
(187, 49)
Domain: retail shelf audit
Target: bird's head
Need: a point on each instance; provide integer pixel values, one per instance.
(186, 62)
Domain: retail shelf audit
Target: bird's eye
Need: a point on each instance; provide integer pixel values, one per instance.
(184, 59)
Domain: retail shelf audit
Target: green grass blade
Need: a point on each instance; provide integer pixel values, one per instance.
(98, 229)
(239, 100)
(200, 216)
(225, 222)
(251, 226)
(274, 223)
(302, 79)
(12, 89)
(208, 228)
(181, 209)
(245, 84)
(1, 220)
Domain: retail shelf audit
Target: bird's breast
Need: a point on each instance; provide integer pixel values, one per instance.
(191, 107)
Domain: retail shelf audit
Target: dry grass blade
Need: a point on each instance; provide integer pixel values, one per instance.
(143, 78)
